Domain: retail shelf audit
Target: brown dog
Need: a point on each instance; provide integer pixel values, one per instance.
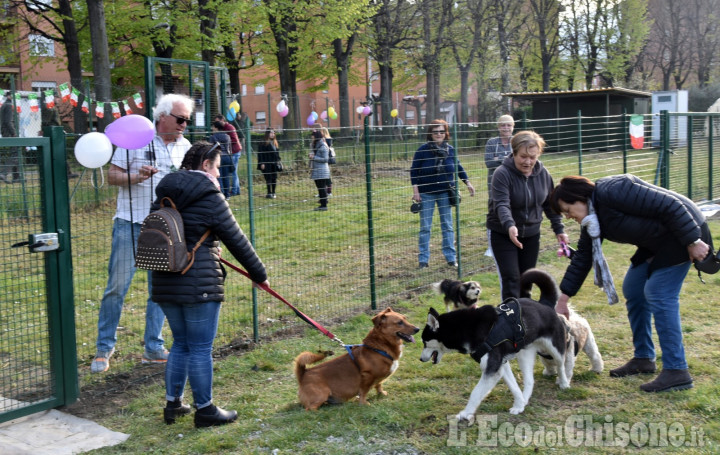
(365, 366)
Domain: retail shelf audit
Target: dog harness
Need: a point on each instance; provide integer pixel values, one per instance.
(349, 347)
(508, 327)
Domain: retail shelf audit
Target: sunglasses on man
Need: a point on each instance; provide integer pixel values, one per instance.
(180, 119)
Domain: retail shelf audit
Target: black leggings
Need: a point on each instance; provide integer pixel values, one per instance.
(322, 185)
(270, 181)
(512, 261)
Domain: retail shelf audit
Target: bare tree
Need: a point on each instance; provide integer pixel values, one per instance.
(703, 22)
(101, 58)
(669, 43)
(543, 26)
(57, 23)
(436, 20)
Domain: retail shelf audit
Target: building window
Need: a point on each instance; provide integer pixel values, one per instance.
(41, 46)
(40, 87)
(260, 117)
(409, 115)
(260, 89)
(243, 90)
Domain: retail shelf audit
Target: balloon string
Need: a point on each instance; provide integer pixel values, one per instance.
(102, 179)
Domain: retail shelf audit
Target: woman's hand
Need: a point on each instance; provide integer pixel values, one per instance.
(562, 306)
(264, 284)
(698, 251)
(312, 155)
(513, 234)
(416, 194)
(262, 167)
(563, 238)
(471, 189)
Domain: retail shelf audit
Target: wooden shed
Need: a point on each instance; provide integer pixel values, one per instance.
(555, 116)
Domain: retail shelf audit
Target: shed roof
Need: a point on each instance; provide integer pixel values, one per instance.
(618, 91)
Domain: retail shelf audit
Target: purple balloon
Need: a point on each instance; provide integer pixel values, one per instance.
(131, 131)
(311, 120)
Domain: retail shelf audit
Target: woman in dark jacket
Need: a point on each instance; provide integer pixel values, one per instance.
(432, 175)
(521, 189)
(191, 302)
(320, 172)
(669, 232)
(269, 161)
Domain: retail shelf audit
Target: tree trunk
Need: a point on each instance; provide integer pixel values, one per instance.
(72, 50)
(101, 59)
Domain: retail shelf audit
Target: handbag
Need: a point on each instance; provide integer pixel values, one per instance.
(415, 207)
(454, 196)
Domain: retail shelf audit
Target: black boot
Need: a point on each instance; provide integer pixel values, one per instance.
(669, 380)
(212, 415)
(175, 409)
(635, 366)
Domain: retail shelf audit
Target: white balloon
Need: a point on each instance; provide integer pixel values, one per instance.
(280, 106)
(359, 109)
(93, 150)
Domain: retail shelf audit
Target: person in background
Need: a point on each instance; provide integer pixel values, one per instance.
(498, 148)
(9, 167)
(191, 301)
(236, 140)
(520, 194)
(49, 116)
(320, 167)
(136, 173)
(269, 161)
(227, 166)
(329, 143)
(432, 175)
(669, 231)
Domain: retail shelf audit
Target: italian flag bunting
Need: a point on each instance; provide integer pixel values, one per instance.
(65, 92)
(33, 102)
(138, 101)
(74, 97)
(100, 109)
(17, 103)
(85, 106)
(49, 99)
(128, 110)
(115, 109)
(637, 131)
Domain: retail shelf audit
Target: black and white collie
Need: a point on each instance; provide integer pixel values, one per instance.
(517, 328)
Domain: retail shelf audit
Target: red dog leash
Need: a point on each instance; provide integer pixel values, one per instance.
(299, 313)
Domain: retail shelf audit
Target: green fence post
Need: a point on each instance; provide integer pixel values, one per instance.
(660, 172)
(268, 121)
(710, 158)
(689, 155)
(457, 206)
(371, 229)
(251, 216)
(625, 133)
(579, 141)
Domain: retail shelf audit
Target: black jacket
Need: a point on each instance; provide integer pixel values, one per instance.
(203, 207)
(519, 200)
(659, 222)
(268, 155)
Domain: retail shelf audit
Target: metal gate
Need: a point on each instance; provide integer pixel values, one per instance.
(38, 364)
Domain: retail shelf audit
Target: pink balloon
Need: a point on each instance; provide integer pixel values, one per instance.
(367, 110)
(131, 131)
(285, 112)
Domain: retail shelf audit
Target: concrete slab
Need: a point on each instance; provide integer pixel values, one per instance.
(54, 433)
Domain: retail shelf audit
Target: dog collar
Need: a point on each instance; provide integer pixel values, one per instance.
(349, 347)
(509, 327)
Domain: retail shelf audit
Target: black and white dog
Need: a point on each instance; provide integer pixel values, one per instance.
(458, 294)
(493, 335)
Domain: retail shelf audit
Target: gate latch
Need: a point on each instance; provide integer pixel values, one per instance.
(44, 242)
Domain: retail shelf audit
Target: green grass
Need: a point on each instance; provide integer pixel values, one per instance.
(416, 416)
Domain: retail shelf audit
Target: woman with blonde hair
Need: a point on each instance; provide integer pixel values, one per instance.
(498, 148)
(520, 193)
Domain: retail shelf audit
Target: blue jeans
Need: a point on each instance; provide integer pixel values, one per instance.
(227, 169)
(121, 270)
(428, 201)
(235, 188)
(658, 297)
(194, 326)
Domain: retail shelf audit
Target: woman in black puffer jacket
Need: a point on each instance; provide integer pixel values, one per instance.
(191, 302)
(669, 231)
